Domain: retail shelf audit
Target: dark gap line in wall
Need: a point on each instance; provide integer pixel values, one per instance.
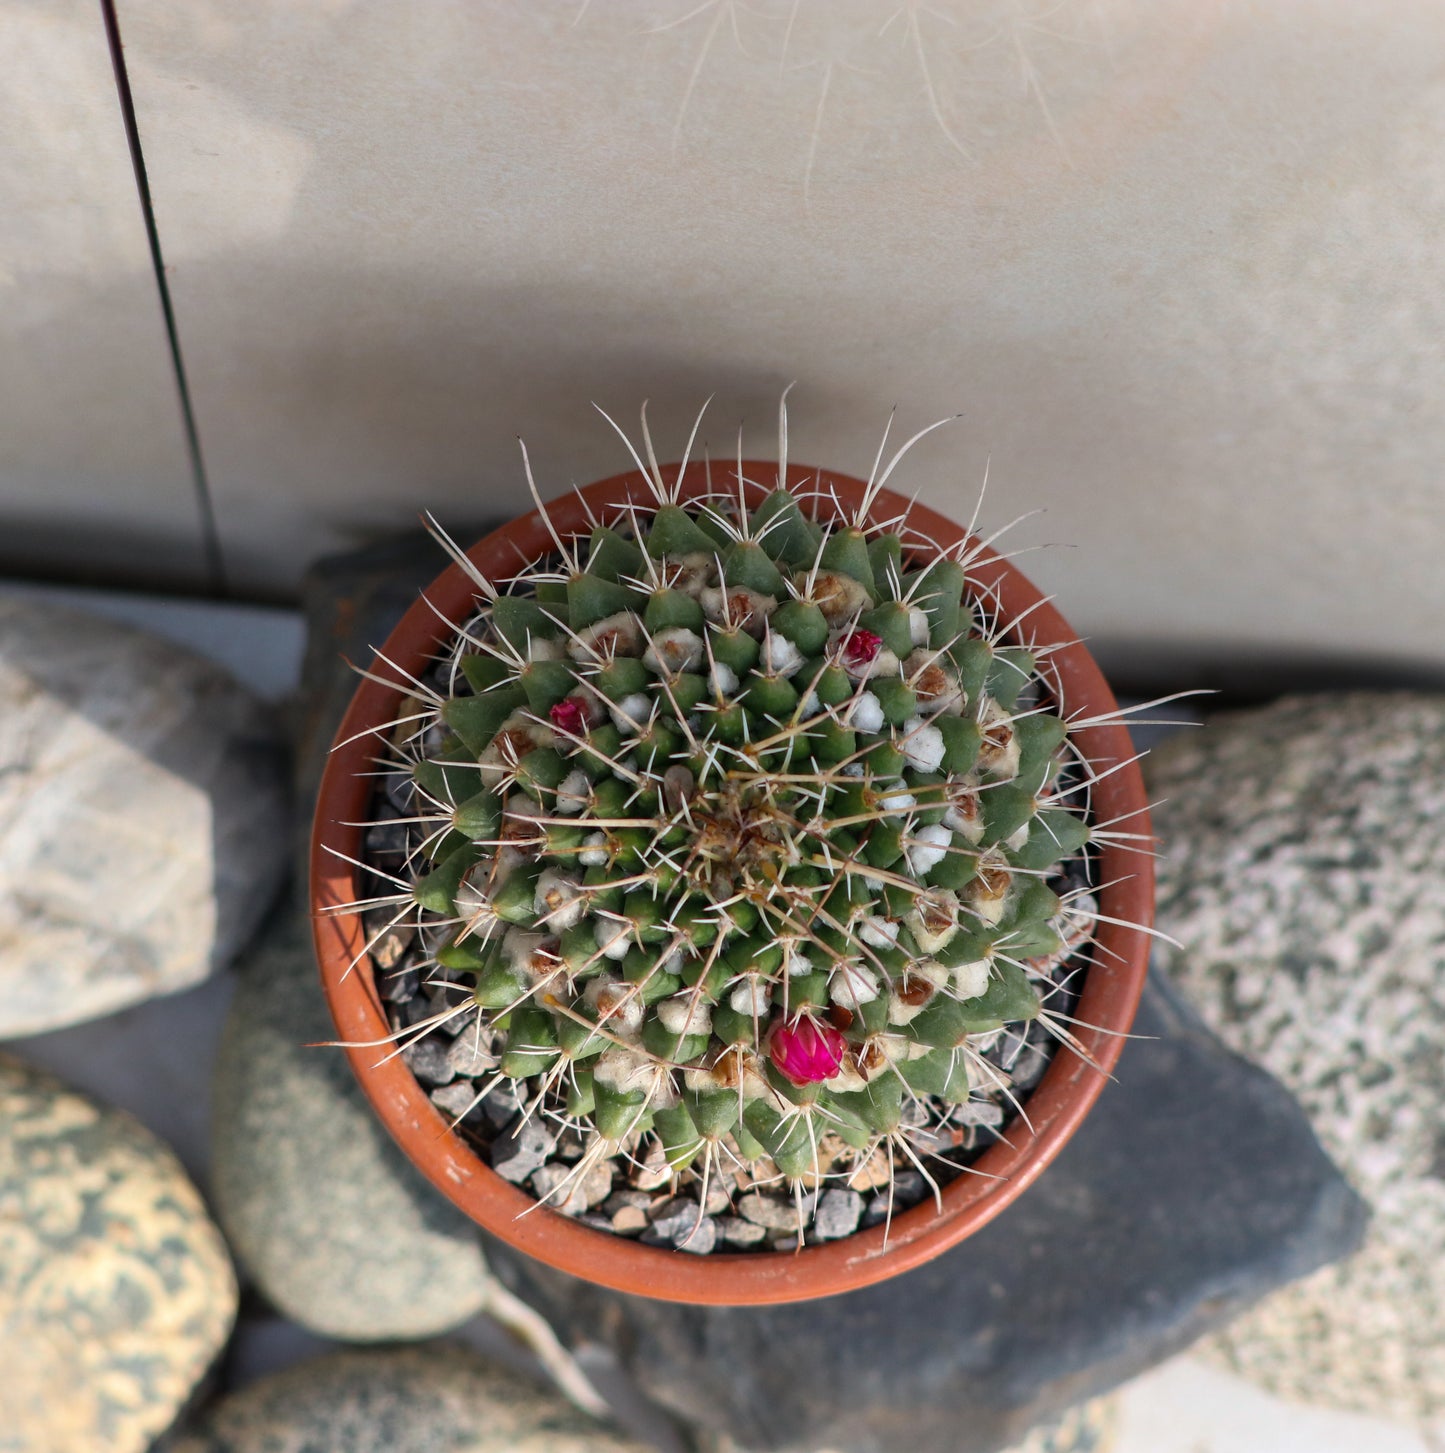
(210, 536)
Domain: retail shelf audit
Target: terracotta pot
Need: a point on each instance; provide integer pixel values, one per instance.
(1054, 1109)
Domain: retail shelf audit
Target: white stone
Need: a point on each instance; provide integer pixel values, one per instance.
(142, 817)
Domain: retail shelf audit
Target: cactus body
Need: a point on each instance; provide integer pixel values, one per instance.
(739, 822)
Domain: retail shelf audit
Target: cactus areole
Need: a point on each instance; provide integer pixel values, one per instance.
(743, 797)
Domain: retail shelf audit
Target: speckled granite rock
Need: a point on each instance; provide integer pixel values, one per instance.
(116, 1292)
(1193, 1188)
(1091, 1427)
(142, 795)
(434, 1398)
(1305, 878)
(337, 1229)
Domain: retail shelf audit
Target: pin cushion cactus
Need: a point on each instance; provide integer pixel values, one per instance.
(738, 825)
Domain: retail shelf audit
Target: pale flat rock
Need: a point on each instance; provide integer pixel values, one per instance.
(335, 1226)
(116, 1290)
(1305, 877)
(432, 1398)
(142, 816)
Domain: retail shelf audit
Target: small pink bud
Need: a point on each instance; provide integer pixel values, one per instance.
(570, 716)
(860, 647)
(805, 1050)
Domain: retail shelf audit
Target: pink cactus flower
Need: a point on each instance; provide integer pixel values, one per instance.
(804, 1050)
(860, 647)
(570, 716)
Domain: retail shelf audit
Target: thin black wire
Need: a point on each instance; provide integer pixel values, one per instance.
(210, 535)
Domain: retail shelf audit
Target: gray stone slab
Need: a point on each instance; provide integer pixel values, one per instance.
(1194, 1188)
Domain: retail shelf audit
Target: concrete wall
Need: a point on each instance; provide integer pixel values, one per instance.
(1178, 264)
(94, 478)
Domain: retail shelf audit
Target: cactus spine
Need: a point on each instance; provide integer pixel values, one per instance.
(739, 814)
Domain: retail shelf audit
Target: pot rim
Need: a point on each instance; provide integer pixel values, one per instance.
(1053, 1109)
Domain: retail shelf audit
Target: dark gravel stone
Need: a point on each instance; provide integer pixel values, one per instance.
(468, 1056)
(681, 1223)
(457, 1102)
(444, 997)
(521, 1149)
(500, 1107)
(398, 986)
(838, 1214)
(1193, 1189)
(386, 843)
(737, 1232)
(428, 1060)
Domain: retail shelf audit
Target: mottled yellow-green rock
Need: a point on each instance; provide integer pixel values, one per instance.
(116, 1290)
(430, 1398)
